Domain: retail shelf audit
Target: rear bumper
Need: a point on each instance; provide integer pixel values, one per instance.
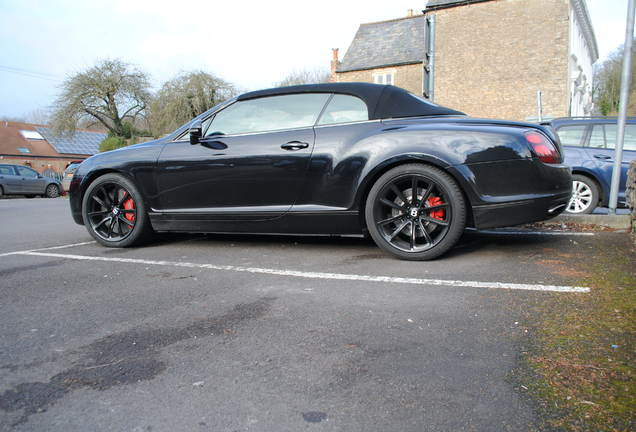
(534, 209)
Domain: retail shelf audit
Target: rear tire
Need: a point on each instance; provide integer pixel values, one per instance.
(415, 212)
(115, 213)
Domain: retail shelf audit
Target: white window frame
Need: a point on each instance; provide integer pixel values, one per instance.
(384, 77)
(32, 135)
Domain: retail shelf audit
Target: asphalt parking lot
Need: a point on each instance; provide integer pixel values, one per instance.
(269, 333)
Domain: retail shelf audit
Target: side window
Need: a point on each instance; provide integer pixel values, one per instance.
(597, 139)
(629, 141)
(6, 170)
(571, 135)
(344, 109)
(630, 137)
(610, 131)
(268, 114)
(27, 172)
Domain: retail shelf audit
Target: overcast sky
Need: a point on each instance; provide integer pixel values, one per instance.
(250, 43)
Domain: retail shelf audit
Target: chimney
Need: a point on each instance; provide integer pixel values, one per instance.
(409, 13)
(334, 65)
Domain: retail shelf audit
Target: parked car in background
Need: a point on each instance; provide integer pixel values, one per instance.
(68, 176)
(21, 180)
(327, 159)
(588, 143)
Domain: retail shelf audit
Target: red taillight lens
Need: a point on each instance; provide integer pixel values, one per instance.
(543, 147)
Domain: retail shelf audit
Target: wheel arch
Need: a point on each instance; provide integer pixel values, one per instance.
(59, 187)
(372, 177)
(106, 226)
(597, 182)
(90, 178)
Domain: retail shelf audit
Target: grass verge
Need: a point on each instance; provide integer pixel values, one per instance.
(581, 368)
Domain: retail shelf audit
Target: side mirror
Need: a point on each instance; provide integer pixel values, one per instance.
(196, 130)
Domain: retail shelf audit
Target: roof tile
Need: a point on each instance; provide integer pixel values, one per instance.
(386, 43)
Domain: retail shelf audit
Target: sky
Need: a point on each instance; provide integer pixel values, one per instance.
(250, 43)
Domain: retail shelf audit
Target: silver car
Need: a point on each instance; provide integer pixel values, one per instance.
(68, 176)
(21, 180)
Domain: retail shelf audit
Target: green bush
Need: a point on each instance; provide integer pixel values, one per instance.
(112, 143)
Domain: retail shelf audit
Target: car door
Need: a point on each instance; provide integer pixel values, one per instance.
(11, 182)
(250, 162)
(601, 150)
(31, 182)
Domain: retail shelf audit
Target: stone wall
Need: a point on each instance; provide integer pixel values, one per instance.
(631, 193)
(493, 56)
(408, 77)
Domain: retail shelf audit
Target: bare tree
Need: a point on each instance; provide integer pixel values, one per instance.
(607, 83)
(6, 118)
(186, 96)
(39, 116)
(106, 93)
(305, 76)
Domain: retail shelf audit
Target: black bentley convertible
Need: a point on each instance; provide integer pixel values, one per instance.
(333, 159)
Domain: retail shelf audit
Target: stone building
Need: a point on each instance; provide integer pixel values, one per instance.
(387, 52)
(491, 56)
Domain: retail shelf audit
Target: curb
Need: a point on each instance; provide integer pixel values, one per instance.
(613, 221)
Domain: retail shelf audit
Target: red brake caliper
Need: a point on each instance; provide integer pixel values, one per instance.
(437, 214)
(129, 204)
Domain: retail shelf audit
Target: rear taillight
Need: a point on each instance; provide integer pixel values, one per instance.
(543, 147)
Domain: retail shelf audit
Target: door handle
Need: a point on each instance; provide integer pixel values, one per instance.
(598, 156)
(294, 145)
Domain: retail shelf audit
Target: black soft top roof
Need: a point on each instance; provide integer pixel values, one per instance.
(383, 101)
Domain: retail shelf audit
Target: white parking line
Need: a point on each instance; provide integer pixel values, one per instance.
(519, 232)
(48, 248)
(313, 275)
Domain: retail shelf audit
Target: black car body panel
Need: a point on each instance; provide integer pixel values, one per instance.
(316, 179)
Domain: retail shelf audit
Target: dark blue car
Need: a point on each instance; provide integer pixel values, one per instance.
(588, 144)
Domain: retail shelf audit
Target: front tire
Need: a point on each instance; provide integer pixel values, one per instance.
(415, 212)
(584, 195)
(52, 191)
(115, 213)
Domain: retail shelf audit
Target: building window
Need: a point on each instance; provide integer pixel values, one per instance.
(24, 150)
(384, 77)
(32, 135)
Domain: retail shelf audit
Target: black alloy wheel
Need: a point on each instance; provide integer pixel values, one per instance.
(52, 191)
(415, 212)
(114, 212)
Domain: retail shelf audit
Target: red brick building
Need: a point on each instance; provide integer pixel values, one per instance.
(37, 147)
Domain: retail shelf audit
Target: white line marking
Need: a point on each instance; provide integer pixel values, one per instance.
(49, 248)
(314, 275)
(563, 233)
